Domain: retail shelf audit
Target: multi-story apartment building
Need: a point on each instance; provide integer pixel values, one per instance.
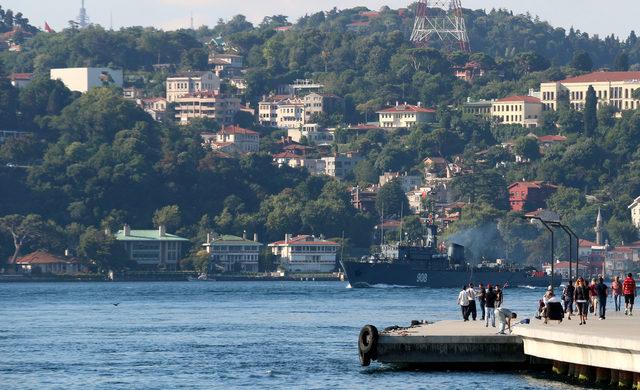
(186, 83)
(517, 110)
(206, 104)
(407, 182)
(405, 115)
(340, 165)
(305, 253)
(233, 253)
(292, 112)
(612, 88)
(317, 103)
(226, 65)
(83, 79)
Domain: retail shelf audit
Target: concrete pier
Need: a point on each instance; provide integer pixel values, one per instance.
(600, 352)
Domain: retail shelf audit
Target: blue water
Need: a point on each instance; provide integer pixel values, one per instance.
(221, 335)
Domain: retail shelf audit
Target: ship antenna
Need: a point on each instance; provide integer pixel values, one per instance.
(382, 228)
(342, 248)
(401, 211)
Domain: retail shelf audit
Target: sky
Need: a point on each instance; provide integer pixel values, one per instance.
(586, 15)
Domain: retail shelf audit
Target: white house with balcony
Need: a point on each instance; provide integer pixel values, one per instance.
(306, 253)
(188, 83)
(152, 249)
(235, 254)
(405, 116)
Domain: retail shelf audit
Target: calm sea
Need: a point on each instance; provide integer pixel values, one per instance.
(221, 335)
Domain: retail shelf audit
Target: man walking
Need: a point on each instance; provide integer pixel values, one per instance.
(602, 291)
(504, 318)
(471, 293)
(629, 291)
(490, 304)
(481, 299)
(463, 301)
(567, 297)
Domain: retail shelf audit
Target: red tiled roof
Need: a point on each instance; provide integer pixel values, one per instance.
(519, 98)
(297, 147)
(407, 108)
(370, 14)
(236, 130)
(602, 76)
(283, 28)
(533, 184)
(586, 243)
(302, 240)
(43, 257)
(21, 76)
(153, 100)
(358, 24)
(552, 138)
(287, 155)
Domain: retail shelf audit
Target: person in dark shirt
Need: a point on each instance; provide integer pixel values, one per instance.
(499, 296)
(567, 297)
(581, 298)
(481, 299)
(602, 291)
(490, 305)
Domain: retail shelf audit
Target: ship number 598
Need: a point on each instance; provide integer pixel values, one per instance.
(422, 278)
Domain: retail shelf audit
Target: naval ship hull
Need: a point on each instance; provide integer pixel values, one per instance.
(367, 274)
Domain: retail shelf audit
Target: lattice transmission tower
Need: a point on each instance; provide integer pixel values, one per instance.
(440, 20)
(83, 18)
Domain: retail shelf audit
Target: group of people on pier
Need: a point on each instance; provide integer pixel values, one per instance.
(588, 298)
(490, 301)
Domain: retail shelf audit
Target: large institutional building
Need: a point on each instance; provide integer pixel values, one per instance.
(187, 83)
(612, 88)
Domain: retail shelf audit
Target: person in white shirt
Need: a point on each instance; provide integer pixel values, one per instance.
(471, 293)
(463, 301)
(504, 317)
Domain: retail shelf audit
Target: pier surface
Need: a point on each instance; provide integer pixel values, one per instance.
(613, 343)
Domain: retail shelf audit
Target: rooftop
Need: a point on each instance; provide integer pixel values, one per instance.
(552, 138)
(235, 129)
(533, 184)
(188, 74)
(21, 76)
(228, 238)
(407, 108)
(43, 257)
(147, 235)
(603, 76)
(304, 240)
(519, 98)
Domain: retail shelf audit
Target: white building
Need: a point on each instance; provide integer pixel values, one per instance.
(405, 116)
(206, 104)
(407, 182)
(83, 79)
(187, 83)
(517, 110)
(305, 253)
(612, 88)
(243, 140)
(313, 133)
(235, 254)
(634, 208)
(340, 165)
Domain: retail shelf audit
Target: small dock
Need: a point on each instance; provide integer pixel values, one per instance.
(601, 352)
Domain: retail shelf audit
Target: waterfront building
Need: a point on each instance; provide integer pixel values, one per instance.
(233, 253)
(517, 110)
(405, 116)
(189, 83)
(42, 261)
(152, 249)
(305, 253)
(83, 79)
(529, 195)
(612, 88)
(206, 104)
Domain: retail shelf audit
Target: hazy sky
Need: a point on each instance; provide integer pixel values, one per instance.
(616, 16)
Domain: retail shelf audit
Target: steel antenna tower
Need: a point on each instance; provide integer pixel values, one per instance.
(83, 18)
(440, 20)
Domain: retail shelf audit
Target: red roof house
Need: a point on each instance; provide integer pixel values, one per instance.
(529, 195)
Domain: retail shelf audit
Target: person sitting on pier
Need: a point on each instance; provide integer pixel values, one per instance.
(504, 318)
(552, 307)
(629, 291)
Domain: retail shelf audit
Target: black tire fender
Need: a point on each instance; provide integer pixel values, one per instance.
(368, 344)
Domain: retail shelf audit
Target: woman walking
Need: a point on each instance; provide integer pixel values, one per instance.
(581, 297)
(616, 290)
(593, 296)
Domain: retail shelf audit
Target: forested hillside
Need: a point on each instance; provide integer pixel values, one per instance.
(99, 161)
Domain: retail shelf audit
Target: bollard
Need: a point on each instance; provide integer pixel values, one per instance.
(586, 374)
(614, 378)
(624, 379)
(602, 375)
(571, 370)
(577, 371)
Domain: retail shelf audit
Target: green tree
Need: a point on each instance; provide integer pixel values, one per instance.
(621, 232)
(169, 217)
(102, 250)
(621, 62)
(23, 230)
(391, 199)
(365, 173)
(582, 61)
(590, 112)
(527, 147)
